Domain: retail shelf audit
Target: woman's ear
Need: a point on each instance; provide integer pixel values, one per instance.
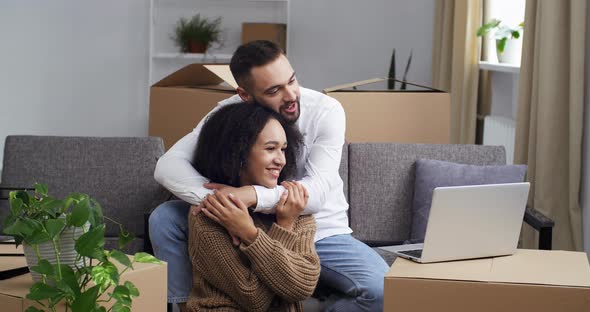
(244, 95)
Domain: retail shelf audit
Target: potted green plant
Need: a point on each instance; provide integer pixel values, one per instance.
(197, 34)
(63, 241)
(508, 43)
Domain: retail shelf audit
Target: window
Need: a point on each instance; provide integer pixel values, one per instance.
(499, 111)
(510, 13)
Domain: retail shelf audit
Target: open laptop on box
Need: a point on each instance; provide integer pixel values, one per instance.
(467, 222)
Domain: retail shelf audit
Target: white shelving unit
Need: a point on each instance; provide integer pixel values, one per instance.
(195, 57)
(164, 58)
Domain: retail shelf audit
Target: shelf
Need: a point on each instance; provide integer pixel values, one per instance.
(169, 2)
(196, 57)
(499, 67)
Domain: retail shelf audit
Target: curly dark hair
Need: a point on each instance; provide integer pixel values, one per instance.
(227, 136)
(252, 54)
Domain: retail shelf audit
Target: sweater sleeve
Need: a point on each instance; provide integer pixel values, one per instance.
(216, 260)
(287, 262)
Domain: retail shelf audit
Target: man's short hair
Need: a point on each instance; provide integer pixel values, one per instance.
(252, 54)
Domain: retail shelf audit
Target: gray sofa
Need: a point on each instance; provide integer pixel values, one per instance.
(379, 186)
(118, 173)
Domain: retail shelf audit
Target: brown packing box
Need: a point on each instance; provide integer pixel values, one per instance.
(375, 114)
(276, 33)
(179, 101)
(530, 280)
(150, 280)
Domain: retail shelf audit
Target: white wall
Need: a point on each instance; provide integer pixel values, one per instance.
(338, 41)
(73, 68)
(81, 68)
(504, 97)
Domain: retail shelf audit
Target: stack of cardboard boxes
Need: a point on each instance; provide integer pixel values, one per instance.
(150, 280)
(530, 280)
(373, 114)
(179, 101)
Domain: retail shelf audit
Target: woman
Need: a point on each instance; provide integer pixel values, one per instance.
(275, 266)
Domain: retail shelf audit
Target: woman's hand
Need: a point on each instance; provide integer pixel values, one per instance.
(291, 204)
(232, 214)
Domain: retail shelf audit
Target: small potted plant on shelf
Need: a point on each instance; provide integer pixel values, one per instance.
(508, 40)
(197, 34)
(63, 240)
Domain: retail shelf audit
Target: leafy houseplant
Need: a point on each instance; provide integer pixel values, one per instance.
(197, 34)
(40, 220)
(503, 34)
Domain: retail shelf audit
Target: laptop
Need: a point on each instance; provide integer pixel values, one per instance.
(467, 222)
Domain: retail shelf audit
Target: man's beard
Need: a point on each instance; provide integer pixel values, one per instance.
(282, 107)
(297, 113)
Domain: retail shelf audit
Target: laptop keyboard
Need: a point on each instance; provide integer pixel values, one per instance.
(417, 253)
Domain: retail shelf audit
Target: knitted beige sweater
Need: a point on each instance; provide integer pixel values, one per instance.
(274, 273)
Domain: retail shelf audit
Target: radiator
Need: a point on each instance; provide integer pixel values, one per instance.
(500, 131)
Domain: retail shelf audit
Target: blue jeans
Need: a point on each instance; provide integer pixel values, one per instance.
(350, 267)
(354, 270)
(169, 236)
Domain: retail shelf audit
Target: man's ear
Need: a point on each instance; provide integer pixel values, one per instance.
(244, 95)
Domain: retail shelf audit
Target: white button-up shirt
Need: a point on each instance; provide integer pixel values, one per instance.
(322, 123)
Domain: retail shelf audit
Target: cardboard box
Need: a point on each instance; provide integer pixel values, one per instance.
(150, 280)
(276, 33)
(179, 101)
(530, 280)
(375, 114)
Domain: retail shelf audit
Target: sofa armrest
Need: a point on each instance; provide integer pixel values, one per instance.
(541, 223)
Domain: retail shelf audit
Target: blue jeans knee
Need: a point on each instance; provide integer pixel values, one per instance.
(168, 226)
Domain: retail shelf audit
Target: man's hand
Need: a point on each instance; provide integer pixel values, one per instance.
(246, 194)
(291, 204)
(232, 214)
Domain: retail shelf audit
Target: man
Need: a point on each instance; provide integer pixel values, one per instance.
(264, 74)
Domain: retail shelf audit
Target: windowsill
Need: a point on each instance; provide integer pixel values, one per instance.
(499, 67)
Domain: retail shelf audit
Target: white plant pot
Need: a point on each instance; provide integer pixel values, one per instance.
(68, 254)
(512, 52)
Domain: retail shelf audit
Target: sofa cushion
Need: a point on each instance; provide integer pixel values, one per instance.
(381, 183)
(117, 172)
(434, 173)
